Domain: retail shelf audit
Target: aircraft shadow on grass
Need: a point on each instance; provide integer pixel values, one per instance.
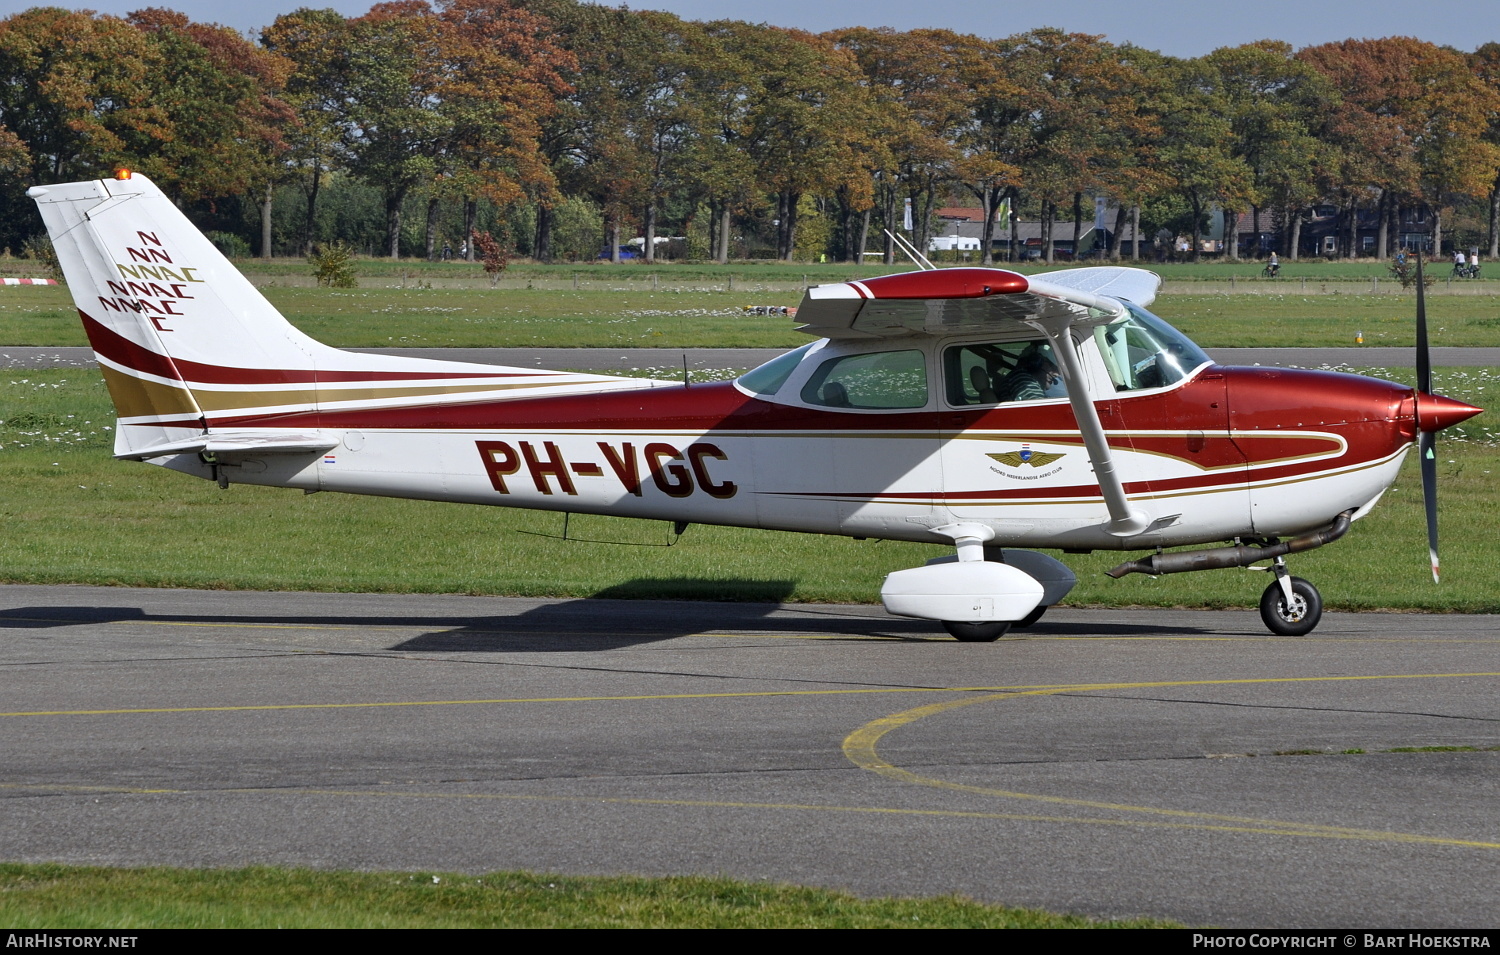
(615, 618)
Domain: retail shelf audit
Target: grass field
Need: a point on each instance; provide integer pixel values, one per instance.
(73, 515)
(384, 270)
(703, 308)
(76, 897)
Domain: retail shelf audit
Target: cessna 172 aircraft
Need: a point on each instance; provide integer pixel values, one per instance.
(976, 407)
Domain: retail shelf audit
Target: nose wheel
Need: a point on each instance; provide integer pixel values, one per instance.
(1291, 606)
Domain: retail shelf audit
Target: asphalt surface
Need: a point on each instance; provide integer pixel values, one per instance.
(669, 360)
(1109, 763)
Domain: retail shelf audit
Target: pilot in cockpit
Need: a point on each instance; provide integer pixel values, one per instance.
(1035, 377)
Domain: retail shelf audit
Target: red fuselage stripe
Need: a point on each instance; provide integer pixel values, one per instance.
(126, 353)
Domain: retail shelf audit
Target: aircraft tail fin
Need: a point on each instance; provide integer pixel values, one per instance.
(188, 346)
(158, 301)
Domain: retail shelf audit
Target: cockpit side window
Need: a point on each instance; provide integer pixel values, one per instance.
(1141, 351)
(996, 372)
(875, 381)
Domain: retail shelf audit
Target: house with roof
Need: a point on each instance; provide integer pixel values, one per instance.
(1327, 231)
(960, 228)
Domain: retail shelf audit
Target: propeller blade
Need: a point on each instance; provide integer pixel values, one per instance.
(1426, 442)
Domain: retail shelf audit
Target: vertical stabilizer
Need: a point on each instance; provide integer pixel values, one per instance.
(163, 308)
(189, 347)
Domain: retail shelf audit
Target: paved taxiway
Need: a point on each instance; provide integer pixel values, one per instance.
(1106, 762)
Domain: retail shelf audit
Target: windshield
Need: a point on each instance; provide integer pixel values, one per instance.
(1142, 351)
(768, 378)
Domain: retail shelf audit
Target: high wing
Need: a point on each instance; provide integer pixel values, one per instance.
(962, 301)
(958, 301)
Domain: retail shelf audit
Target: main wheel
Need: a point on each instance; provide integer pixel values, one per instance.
(1295, 620)
(1030, 618)
(966, 632)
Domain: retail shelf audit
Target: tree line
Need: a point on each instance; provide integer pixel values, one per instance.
(531, 117)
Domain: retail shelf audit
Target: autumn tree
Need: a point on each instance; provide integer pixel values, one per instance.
(1131, 174)
(591, 139)
(391, 131)
(1085, 121)
(1486, 64)
(75, 93)
(1277, 107)
(1195, 151)
(723, 170)
(193, 105)
(1454, 151)
(504, 78)
(920, 105)
(619, 133)
(630, 132)
(805, 116)
(221, 97)
(313, 41)
(665, 118)
(1413, 121)
(993, 140)
(446, 99)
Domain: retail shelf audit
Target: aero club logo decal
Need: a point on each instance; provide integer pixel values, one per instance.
(1026, 458)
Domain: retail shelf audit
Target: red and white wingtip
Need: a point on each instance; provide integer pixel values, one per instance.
(940, 283)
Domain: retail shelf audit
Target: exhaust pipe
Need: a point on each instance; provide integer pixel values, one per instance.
(1240, 555)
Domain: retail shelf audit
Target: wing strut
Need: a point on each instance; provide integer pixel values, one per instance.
(1125, 521)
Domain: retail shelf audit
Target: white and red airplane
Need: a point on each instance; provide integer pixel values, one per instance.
(976, 407)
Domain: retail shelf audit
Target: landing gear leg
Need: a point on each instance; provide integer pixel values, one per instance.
(1291, 606)
(966, 632)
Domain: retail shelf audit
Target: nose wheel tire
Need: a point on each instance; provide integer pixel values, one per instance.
(965, 632)
(1300, 617)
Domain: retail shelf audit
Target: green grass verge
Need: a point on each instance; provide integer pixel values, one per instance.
(609, 312)
(71, 514)
(78, 897)
(761, 270)
(1226, 320)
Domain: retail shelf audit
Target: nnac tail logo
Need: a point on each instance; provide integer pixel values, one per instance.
(151, 284)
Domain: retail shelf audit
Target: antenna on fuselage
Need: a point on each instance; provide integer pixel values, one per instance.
(911, 251)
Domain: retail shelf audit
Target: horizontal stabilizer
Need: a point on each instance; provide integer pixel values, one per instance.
(228, 442)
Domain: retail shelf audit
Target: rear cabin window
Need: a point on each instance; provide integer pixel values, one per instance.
(884, 380)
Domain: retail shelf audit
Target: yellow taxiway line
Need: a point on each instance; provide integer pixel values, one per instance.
(860, 749)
